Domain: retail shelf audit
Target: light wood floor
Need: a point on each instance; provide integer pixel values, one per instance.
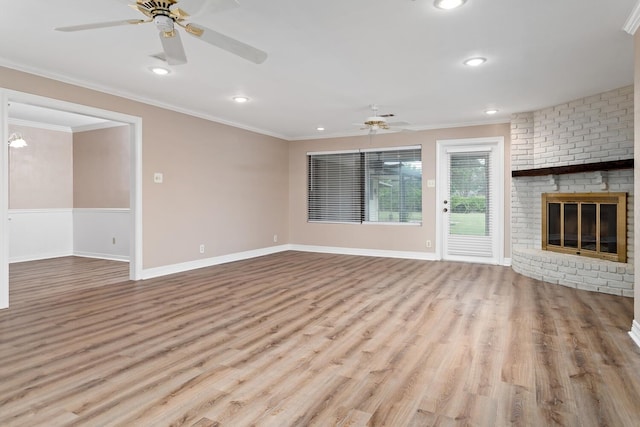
(312, 339)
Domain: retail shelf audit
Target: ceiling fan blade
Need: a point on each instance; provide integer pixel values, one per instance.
(101, 25)
(398, 123)
(173, 49)
(234, 46)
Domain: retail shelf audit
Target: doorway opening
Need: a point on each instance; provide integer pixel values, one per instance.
(19, 111)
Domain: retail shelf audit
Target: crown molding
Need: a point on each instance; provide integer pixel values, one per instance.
(411, 128)
(633, 21)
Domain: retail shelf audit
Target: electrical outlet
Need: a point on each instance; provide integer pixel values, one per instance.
(275, 238)
(428, 243)
(201, 249)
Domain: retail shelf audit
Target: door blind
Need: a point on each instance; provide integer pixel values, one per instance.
(471, 224)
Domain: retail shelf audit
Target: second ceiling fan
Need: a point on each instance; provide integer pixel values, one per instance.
(166, 17)
(379, 122)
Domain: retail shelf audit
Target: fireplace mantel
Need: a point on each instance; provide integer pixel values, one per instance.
(587, 167)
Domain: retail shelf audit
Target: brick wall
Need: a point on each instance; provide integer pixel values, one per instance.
(522, 148)
(597, 128)
(592, 129)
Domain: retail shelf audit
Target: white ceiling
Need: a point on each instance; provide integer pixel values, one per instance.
(328, 60)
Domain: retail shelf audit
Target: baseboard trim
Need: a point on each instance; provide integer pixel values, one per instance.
(109, 257)
(151, 273)
(166, 270)
(634, 333)
(39, 257)
(506, 262)
(425, 256)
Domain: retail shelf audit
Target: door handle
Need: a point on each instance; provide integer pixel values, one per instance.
(445, 210)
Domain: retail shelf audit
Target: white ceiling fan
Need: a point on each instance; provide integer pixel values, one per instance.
(165, 16)
(379, 122)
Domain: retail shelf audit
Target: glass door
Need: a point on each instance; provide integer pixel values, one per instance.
(470, 203)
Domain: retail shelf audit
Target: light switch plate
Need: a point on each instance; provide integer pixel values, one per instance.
(158, 178)
(431, 183)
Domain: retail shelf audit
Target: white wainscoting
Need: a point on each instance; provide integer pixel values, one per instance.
(101, 233)
(40, 233)
(50, 233)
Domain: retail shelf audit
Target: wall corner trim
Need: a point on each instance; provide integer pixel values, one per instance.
(633, 21)
(634, 333)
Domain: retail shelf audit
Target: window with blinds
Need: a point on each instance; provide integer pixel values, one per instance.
(382, 185)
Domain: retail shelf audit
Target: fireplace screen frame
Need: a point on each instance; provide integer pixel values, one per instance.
(579, 199)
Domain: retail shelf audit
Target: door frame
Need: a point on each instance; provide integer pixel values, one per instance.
(473, 144)
(135, 198)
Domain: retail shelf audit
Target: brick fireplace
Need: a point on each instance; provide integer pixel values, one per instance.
(547, 148)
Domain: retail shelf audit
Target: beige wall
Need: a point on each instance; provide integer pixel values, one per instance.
(384, 237)
(41, 174)
(101, 163)
(224, 187)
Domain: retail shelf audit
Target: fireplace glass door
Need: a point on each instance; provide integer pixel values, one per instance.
(591, 224)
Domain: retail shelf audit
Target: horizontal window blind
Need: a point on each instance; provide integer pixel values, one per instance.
(335, 187)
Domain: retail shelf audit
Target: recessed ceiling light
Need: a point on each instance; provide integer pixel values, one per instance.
(160, 71)
(448, 4)
(320, 128)
(241, 99)
(474, 62)
(491, 111)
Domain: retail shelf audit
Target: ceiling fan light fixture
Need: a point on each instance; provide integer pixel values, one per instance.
(476, 61)
(17, 141)
(240, 99)
(160, 71)
(448, 4)
(491, 111)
